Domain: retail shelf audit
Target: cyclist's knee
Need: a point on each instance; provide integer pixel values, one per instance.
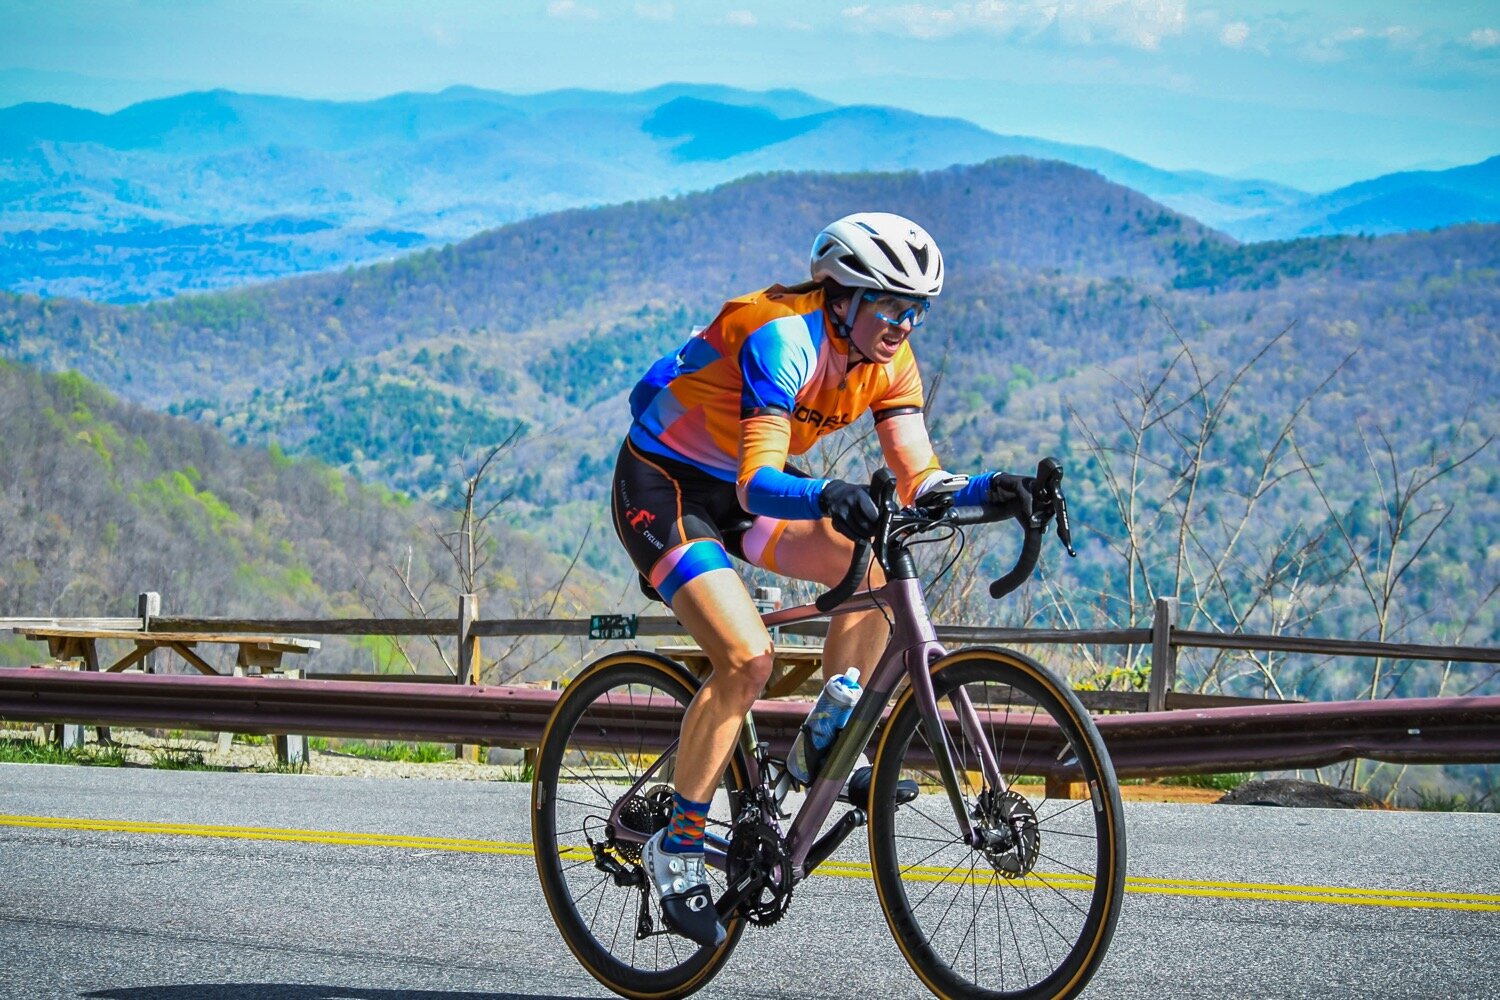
(744, 678)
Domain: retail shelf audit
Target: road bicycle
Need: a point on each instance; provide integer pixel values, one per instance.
(990, 887)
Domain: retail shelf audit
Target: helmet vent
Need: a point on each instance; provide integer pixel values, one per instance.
(920, 252)
(867, 228)
(856, 265)
(890, 254)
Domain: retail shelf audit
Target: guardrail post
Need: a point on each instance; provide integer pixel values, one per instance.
(290, 748)
(1163, 654)
(469, 662)
(70, 735)
(147, 607)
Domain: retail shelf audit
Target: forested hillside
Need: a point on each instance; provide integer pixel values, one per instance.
(1021, 214)
(1268, 431)
(102, 499)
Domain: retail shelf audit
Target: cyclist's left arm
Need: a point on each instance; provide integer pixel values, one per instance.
(904, 442)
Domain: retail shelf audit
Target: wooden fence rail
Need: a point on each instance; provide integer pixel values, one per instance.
(1165, 638)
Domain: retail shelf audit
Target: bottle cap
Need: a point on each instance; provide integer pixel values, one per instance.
(852, 674)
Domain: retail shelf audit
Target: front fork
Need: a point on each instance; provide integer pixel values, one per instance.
(920, 674)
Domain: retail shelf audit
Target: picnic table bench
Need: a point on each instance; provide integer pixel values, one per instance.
(256, 653)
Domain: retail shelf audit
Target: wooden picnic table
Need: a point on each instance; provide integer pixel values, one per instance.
(795, 667)
(256, 653)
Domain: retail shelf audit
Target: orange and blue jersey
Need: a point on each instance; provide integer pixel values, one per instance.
(765, 380)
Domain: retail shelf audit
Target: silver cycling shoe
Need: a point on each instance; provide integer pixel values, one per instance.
(681, 883)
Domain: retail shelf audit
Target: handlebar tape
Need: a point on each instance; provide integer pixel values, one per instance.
(1031, 550)
(857, 569)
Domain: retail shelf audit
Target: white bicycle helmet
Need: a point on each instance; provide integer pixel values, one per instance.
(881, 251)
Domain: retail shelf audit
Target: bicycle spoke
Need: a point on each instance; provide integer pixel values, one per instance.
(1058, 862)
(936, 884)
(950, 842)
(1060, 894)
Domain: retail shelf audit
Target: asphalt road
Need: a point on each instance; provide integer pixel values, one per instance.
(129, 885)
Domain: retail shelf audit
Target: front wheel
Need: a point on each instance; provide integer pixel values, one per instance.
(1030, 912)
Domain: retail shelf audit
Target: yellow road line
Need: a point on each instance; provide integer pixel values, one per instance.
(1267, 891)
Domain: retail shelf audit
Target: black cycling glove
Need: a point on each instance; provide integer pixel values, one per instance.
(852, 508)
(1012, 494)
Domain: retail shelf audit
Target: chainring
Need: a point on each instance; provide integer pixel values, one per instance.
(1007, 820)
(756, 850)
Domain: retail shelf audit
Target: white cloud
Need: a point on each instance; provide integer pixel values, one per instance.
(1400, 34)
(1235, 34)
(1139, 23)
(571, 10)
(440, 34)
(741, 18)
(655, 11)
(1483, 38)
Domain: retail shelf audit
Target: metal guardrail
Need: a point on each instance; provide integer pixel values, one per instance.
(1245, 738)
(1199, 737)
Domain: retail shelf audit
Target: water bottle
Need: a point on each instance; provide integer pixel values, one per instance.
(827, 717)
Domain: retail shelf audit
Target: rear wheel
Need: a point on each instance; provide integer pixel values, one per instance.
(1031, 912)
(617, 721)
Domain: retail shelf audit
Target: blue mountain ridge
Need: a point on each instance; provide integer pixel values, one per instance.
(446, 165)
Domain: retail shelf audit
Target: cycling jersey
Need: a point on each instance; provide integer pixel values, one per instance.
(765, 380)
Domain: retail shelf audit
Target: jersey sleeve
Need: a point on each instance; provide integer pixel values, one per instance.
(765, 487)
(907, 449)
(902, 429)
(904, 395)
(776, 362)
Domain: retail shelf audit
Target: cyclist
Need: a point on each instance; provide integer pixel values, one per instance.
(703, 475)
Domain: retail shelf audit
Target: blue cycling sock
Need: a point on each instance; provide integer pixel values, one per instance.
(685, 829)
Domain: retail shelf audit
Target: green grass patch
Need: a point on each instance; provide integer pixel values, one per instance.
(1218, 782)
(408, 753)
(525, 772)
(1426, 801)
(181, 759)
(20, 750)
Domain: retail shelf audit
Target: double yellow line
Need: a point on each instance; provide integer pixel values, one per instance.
(1266, 891)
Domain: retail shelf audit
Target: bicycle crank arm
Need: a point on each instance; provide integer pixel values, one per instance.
(830, 841)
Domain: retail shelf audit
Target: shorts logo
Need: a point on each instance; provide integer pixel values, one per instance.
(640, 520)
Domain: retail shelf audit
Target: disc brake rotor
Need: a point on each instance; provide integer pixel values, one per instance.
(1012, 839)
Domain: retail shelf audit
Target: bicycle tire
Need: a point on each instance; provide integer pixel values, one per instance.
(599, 740)
(1029, 934)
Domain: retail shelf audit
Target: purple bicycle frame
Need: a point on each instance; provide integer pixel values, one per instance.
(911, 650)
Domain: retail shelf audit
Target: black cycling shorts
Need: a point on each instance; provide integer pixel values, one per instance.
(678, 522)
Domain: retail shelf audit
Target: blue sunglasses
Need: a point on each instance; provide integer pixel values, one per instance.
(915, 312)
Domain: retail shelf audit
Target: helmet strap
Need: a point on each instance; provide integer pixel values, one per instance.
(845, 325)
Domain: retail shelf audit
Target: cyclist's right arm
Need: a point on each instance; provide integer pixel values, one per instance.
(776, 362)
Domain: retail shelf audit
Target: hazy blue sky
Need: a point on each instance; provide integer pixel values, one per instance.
(1303, 91)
